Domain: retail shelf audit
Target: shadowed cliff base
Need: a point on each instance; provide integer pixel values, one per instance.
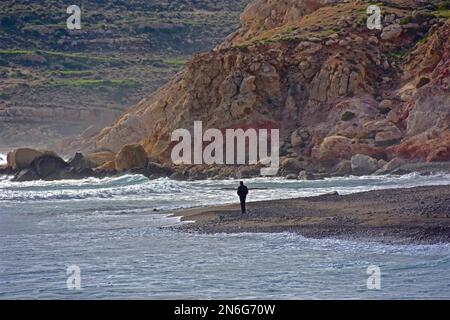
(400, 216)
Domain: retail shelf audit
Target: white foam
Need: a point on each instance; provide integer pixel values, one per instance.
(2, 159)
(166, 194)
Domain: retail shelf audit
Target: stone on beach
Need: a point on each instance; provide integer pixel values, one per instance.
(363, 165)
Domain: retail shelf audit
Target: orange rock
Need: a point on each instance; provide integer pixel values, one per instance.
(108, 166)
(21, 158)
(430, 146)
(332, 150)
(100, 158)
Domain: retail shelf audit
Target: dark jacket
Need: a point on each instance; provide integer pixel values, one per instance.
(242, 191)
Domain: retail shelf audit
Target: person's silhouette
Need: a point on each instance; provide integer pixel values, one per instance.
(242, 193)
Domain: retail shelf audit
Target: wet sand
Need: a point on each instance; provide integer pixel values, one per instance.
(399, 216)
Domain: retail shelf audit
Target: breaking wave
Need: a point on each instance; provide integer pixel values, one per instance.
(169, 194)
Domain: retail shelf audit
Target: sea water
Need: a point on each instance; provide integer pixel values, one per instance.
(116, 232)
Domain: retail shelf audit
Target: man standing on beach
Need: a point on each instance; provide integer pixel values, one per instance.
(242, 193)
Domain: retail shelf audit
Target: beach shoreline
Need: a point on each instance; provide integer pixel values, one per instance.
(419, 215)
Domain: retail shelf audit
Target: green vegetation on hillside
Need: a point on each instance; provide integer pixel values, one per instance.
(124, 51)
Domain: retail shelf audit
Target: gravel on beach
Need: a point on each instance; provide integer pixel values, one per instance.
(398, 216)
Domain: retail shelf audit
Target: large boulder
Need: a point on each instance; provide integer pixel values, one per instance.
(49, 167)
(22, 158)
(343, 168)
(383, 131)
(291, 176)
(291, 166)
(332, 150)
(304, 175)
(391, 166)
(389, 137)
(363, 165)
(132, 156)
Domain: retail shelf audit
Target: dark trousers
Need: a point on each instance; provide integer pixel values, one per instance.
(242, 199)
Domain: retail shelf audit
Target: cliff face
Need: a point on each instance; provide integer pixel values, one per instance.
(260, 16)
(56, 83)
(314, 70)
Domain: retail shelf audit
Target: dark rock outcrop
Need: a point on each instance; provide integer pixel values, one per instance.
(6, 170)
(49, 167)
(155, 170)
(79, 161)
(26, 175)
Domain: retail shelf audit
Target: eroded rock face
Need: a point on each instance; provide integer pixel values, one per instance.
(432, 145)
(427, 113)
(431, 110)
(336, 79)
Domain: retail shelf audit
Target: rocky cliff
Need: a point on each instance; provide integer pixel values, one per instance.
(340, 94)
(56, 83)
